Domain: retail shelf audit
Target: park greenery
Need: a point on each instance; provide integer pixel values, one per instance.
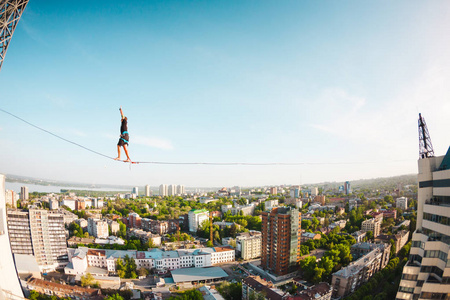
(230, 291)
(126, 268)
(188, 295)
(337, 256)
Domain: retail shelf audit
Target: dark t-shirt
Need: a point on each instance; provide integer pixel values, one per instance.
(124, 126)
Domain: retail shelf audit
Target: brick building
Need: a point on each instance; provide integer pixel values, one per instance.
(281, 231)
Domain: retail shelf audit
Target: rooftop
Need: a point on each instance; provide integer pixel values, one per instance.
(26, 263)
(61, 288)
(196, 274)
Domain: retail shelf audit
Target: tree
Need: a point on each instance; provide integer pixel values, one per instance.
(369, 235)
(306, 224)
(87, 280)
(209, 244)
(114, 297)
(315, 223)
(142, 272)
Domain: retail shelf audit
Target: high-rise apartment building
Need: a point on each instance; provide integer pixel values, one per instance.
(172, 190)
(281, 230)
(163, 190)
(40, 233)
(426, 275)
(148, 192)
(180, 190)
(347, 188)
(402, 203)
(135, 190)
(24, 193)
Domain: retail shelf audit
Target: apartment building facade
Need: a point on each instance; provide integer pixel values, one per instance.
(348, 279)
(426, 275)
(40, 233)
(196, 218)
(373, 225)
(248, 244)
(281, 231)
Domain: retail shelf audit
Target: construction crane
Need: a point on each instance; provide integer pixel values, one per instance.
(10, 13)
(211, 227)
(425, 146)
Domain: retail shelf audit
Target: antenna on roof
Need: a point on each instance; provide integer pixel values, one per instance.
(425, 146)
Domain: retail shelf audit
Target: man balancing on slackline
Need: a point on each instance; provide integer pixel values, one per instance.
(124, 137)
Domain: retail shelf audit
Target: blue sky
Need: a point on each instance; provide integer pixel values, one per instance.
(248, 81)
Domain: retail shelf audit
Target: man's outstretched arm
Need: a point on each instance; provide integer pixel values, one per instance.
(121, 112)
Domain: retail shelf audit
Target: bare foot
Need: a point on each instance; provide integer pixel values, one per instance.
(128, 160)
(117, 158)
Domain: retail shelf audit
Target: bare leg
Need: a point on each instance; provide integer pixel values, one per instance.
(118, 153)
(125, 148)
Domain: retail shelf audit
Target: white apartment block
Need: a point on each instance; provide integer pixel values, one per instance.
(148, 192)
(11, 198)
(82, 258)
(248, 244)
(181, 190)
(172, 190)
(196, 218)
(373, 225)
(163, 190)
(270, 204)
(426, 275)
(54, 204)
(402, 203)
(98, 228)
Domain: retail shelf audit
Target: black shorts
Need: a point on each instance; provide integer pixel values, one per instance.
(123, 140)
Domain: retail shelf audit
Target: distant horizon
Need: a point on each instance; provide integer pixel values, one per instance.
(104, 186)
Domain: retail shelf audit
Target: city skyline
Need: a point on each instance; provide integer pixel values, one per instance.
(336, 86)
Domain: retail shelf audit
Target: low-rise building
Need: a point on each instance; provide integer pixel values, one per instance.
(82, 222)
(306, 236)
(61, 290)
(82, 258)
(341, 224)
(400, 239)
(373, 225)
(321, 291)
(196, 218)
(392, 213)
(145, 236)
(253, 285)
(359, 236)
(270, 204)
